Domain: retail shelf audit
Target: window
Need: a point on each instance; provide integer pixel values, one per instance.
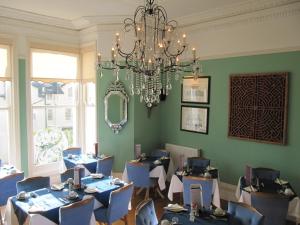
(50, 101)
(6, 116)
(63, 104)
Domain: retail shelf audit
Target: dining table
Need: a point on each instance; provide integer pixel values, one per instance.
(159, 167)
(42, 206)
(183, 218)
(89, 162)
(7, 170)
(243, 194)
(176, 184)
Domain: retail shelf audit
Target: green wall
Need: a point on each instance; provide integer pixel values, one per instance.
(231, 155)
(139, 129)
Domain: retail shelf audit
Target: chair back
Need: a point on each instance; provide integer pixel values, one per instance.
(69, 173)
(8, 186)
(145, 213)
(33, 183)
(273, 206)
(198, 164)
(105, 165)
(206, 185)
(243, 214)
(78, 213)
(160, 153)
(265, 173)
(73, 151)
(138, 173)
(248, 174)
(118, 203)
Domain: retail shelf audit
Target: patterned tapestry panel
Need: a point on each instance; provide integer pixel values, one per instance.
(258, 107)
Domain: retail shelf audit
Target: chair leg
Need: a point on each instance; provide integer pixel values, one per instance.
(126, 220)
(147, 194)
(159, 192)
(139, 191)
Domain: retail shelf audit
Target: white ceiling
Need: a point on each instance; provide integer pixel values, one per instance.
(76, 9)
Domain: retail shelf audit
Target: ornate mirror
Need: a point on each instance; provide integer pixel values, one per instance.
(116, 104)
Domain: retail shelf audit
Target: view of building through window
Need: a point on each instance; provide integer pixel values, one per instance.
(5, 104)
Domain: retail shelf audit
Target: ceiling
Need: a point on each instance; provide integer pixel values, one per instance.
(75, 9)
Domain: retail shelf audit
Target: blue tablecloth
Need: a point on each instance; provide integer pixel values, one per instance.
(184, 219)
(88, 162)
(51, 211)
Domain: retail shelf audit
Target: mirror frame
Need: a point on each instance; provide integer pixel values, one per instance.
(116, 88)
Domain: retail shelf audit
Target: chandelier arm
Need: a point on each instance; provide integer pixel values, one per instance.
(179, 52)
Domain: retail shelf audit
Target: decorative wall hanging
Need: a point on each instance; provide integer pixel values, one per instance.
(194, 119)
(195, 90)
(258, 107)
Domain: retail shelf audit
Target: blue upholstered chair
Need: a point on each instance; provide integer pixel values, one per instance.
(265, 173)
(118, 206)
(8, 186)
(105, 165)
(160, 153)
(206, 184)
(78, 213)
(243, 214)
(145, 213)
(33, 183)
(73, 151)
(274, 207)
(139, 174)
(69, 173)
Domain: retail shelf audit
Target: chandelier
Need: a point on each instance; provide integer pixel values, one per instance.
(155, 57)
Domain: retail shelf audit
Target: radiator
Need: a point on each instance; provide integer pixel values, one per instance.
(177, 152)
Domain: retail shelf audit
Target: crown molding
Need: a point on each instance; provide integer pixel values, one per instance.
(232, 10)
(25, 16)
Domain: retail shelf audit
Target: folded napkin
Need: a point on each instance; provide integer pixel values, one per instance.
(250, 189)
(281, 182)
(57, 187)
(35, 209)
(175, 207)
(97, 175)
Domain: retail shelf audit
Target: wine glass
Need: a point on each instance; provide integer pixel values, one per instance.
(175, 220)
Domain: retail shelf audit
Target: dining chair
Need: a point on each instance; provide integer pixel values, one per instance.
(72, 150)
(69, 173)
(145, 213)
(265, 173)
(139, 174)
(160, 153)
(273, 206)
(33, 183)
(8, 188)
(118, 206)
(198, 164)
(243, 214)
(206, 184)
(105, 165)
(78, 213)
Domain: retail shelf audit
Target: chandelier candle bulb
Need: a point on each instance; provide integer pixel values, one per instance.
(194, 53)
(117, 38)
(184, 39)
(99, 58)
(113, 54)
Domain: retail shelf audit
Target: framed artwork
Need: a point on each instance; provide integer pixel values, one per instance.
(258, 107)
(194, 119)
(195, 90)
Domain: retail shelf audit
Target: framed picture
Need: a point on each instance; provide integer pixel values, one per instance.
(195, 90)
(194, 119)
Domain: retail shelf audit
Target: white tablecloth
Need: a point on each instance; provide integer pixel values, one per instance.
(158, 172)
(176, 186)
(10, 217)
(294, 205)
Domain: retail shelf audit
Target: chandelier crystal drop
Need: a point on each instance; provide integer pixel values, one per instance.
(154, 59)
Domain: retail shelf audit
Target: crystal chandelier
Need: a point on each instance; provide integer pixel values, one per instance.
(154, 59)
